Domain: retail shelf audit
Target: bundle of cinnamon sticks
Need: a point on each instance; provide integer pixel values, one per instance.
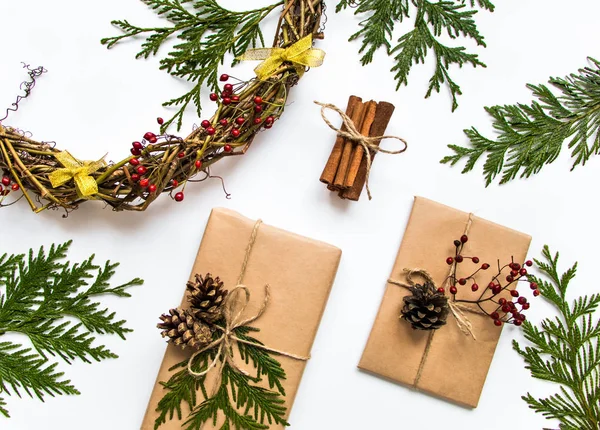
(346, 169)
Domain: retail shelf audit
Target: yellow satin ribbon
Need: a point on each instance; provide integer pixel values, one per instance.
(79, 171)
(301, 54)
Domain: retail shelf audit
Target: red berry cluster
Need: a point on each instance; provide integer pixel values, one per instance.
(508, 310)
(7, 186)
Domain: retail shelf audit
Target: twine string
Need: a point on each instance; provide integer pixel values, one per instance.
(234, 306)
(462, 321)
(368, 143)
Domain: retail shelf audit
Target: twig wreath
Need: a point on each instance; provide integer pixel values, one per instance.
(51, 178)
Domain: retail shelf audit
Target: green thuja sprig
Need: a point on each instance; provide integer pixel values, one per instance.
(243, 404)
(432, 19)
(52, 303)
(565, 350)
(205, 32)
(531, 136)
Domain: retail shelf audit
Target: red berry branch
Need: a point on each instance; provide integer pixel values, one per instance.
(508, 310)
(164, 163)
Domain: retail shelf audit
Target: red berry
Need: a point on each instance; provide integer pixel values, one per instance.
(174, 183)
(226, 101)
(514, 273)
(497, 289)
(5, 181)
(144, 182)
(497, 323)
(137, 145)
(223, 122)
(135, 177)
(491, 285)
(459, 258)
(522, 300)
(453, 289)
(494, 315)
(150, 137)
(268, 126)
(485, 266)
(258, 100)
(270, 119)
(449, 261)
(179, 197)
(235, 99)
(214, 97)
(505, 308)
(526, 306)
(517, 266)
(513, 266)
(152, 188)
(536, 293)
(210, 131)
(14, 187)
(523, 272)
(514, 293)
(235, 132)
(529, 263)
(475, 260)
(457, 243)
(462, 281)
(198, 164)
(502, 301)
(224, 77)
(228, 87)
(160, 121)
(441, 290)
(474, 287)
(533, 285)
(258, 108)
(257, 121)
(240, 120)
(134, 162)
(136, 152)
(141, 170)
(509, 278)
(227, 148)
(226, 94)
(464, 238)
(205, 123)
(181, 154)
(517, 323)
(511, 305)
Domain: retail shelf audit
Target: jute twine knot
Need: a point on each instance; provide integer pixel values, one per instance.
(233, 308)
(368, 143)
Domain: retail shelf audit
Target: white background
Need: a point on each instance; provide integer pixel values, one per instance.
(94, 101)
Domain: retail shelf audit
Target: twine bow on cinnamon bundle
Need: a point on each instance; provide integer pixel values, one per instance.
(349, 165)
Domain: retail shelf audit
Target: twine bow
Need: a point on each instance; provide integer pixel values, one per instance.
(301, 54)
(79, 171)
(368, 143)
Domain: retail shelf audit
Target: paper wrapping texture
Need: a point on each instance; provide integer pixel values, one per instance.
(299, 272)
(456, 365)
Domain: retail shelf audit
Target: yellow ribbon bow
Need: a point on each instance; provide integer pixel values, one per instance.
(301, 54)
(79, 171)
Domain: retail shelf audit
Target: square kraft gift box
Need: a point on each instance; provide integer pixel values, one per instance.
(300, 273)
(434, 361)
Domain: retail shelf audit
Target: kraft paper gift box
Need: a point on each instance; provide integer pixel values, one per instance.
(299, 271)
(454, 366)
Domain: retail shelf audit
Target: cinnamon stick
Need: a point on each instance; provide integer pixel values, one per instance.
(357, 154)
(330, 170)
(340, 176)
(383, 115)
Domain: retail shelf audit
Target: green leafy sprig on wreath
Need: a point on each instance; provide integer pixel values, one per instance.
(40, 298)
(431, 19)
(531, 136)
(565, 350)
(206, 32)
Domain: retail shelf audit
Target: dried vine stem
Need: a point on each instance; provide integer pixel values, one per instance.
(169, 161)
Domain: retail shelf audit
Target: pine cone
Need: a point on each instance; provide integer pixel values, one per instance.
(183, 329)
(426, 308)
(206, 298)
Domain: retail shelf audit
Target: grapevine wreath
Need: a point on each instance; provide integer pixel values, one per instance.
(51, 178)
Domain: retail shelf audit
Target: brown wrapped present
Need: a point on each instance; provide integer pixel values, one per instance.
(299, 272)
(444, 362)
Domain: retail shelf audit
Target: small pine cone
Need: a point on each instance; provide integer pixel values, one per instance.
(183, 329)
(426, 308)
(206, 298)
